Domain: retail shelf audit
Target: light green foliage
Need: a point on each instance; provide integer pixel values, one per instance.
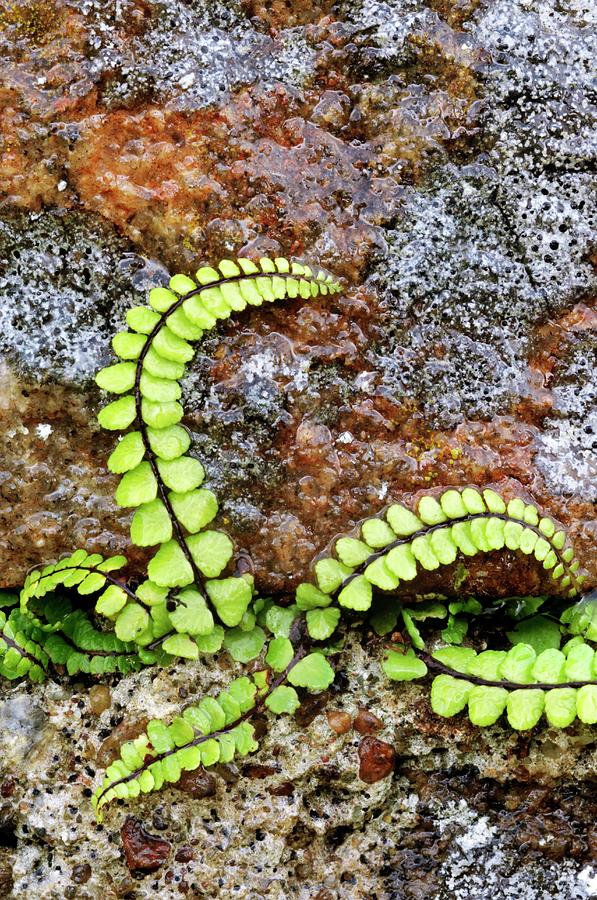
(244, 645)
(283, 699)
(321, 623)
(313, 672)
(455, 521)
(542, 671)
(191, 603)
(403, 666)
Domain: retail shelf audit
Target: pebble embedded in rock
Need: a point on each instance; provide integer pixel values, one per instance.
(199, 783)
(366, 722)
(376, 760)
(110, 748)
(81, 873)
(143, 851)
(339, 721)
(100, 699)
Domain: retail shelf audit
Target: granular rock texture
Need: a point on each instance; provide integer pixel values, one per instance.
(438, 158)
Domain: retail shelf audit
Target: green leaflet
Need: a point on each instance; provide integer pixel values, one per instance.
(127, 454)
(170, 567)
(517, 665)
(159, 390)
(169, 443)
(142, 319)
(403, 521)
(449, 695)
(244, 645)
(118, 415)
(182, 474)
(540, 633)
(330, 574)
(579, 663)
(279, 619)
(313, 672)
(403, 666)
(486, 704)
(161, 415)
(283, 699)
(211, 551)
(310, 597)
(191, 615)
(376, 533)
(279, 654)
(231, 597)
(352, 552)
(402, 562)
(356, 595)
(151, 524)
(586, 704)
(137, 486)
(194, 509)
(128, 345)
(430, 511)
(118, 378)
(560, 707)
(321, 623)
(524, 708)
(458, 658)
(181, 645)
(131, 622)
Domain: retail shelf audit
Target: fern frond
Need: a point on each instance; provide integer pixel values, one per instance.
(160, 480)
(21, 651)
(87, 573)
(215, 730)
(392, 548)
(523, 684)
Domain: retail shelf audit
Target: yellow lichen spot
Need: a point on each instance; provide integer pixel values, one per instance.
(35, 22)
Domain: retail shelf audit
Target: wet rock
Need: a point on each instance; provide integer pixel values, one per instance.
(143, 851)
(376, 760)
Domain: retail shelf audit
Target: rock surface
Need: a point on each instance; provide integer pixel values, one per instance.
(439, 159)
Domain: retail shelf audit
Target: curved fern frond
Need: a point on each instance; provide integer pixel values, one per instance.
(87, 573)
(523, 684)
(393, 547)
(160, 480)
(215, 730)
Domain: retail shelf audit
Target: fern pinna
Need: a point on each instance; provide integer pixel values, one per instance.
(189, 603)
